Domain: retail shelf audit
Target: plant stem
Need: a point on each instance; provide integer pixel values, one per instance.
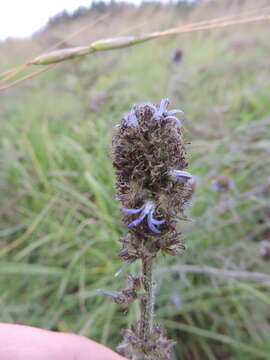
(147, 301)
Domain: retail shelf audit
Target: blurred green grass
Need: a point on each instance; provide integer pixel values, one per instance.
(60, 222)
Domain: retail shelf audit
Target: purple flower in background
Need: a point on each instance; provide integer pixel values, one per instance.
(176, 301)
(182, 176)
(162, 111)
(223, 184)
(177, 56)
(146, 210)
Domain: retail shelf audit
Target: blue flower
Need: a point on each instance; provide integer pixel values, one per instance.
(223, 184)
(221, 188)
(130, 119)
(147, 210)
(186, 204)
(162, 111)
(182, 176)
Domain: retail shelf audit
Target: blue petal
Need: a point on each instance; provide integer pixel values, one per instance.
(175, 111)
(181, 175)
(157, 222)
(151, 224)
(131, 119)
(131, 211)
(157, 114)
(182, 178)
(162, 108)
(179, 121)
(163, 105)
(152, 227)
(186, 204)
(138, 220)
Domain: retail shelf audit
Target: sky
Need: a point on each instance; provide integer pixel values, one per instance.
(20, 18)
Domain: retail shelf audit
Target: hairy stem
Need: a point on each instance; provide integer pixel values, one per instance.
(147, 301)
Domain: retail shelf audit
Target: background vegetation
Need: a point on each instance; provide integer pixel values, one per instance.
(60, 222)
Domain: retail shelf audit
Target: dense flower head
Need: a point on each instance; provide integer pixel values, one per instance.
(152, 184)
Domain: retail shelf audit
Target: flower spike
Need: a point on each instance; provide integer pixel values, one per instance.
(150, 160)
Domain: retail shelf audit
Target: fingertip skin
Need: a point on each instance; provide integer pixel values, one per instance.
(19, 342)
